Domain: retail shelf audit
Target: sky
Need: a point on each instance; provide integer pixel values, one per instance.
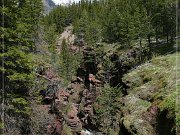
(63, 1)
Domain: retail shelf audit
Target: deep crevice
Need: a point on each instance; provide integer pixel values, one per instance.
(165, 124)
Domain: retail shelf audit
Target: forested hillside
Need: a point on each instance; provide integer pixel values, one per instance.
(96, 67)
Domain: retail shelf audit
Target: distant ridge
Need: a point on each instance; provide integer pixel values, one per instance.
(48, 6)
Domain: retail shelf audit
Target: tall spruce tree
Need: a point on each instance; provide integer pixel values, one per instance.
(65, 61)
(20, 19)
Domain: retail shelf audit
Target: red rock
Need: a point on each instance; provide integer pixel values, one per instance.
(58, 127)
(93, 79)
(97, 81)
(63, 93)
(71, 115)
(154, 110)
(48, 128)
(87, 109)
(79, 79)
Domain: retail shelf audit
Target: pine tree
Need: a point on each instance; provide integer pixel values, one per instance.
(18, 38)
(106, 108)
(81, 29)
(65, 61)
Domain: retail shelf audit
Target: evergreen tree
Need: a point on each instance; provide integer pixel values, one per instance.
(18, 36)
(117, 21)
(106, 109)
(81, 28)
(68, 62)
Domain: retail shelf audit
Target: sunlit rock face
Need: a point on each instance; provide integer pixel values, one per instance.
(48, 6)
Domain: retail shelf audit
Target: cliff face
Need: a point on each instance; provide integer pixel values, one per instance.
(48, 6)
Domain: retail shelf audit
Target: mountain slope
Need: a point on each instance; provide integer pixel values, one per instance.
(48, 5)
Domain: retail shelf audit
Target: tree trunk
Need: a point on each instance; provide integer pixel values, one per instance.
(167, 36)
(150, 47)
(140, 57)
(171, 39)
(156, 36)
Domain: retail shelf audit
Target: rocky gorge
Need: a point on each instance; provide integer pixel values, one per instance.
(144, 99)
